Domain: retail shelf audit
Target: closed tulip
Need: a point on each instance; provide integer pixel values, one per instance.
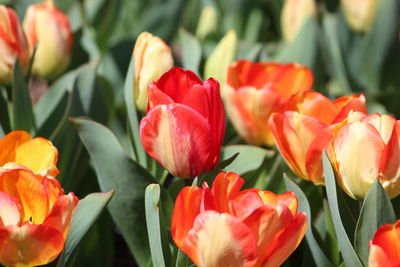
(223, 226)
(48, 27)
(35, 216)
(37, 154)
(384, 247)
(364, 148)
(302, 132)
(13, 44)
(152, 58)
(359, 14)
(255, 90)
(185, 123)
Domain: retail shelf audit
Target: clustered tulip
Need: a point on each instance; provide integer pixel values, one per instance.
(255, 90)
(365, 148)
(223, 226)
(35, 214)
(302, 132)
(384, 247)
(185, 123)
(13, 44)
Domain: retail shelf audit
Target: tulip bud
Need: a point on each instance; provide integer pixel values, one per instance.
(13, 44)
(294, 14)
(384, 247)
(185, 123)
(365, 148)
(152, 58)
(359, 14)
(207, 22)
(224, 53)
(223, 226)
(48, 28)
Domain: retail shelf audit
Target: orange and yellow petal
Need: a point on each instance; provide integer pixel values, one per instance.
(19, 147)
(220, 240)
(225, 187)
(385, 246)
(29, 245)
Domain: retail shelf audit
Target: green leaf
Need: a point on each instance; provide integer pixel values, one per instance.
(375, 211)
(349, 255)
(22, 107)
(133, 121)
(152, 202)
(115, 170)
(249, 158)
(191, 50)
(318, 254)
(86, 213)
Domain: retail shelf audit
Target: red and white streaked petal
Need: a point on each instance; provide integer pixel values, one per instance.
(27, 188)
(384, 124)
(60, 216)
(249, 109)
(9, 210)
(225, 187)
(293, 134)
(357, 151)
(186, 209)
(29, 245)
(245, 203)
(288, 240)
(220, 240)
(157, 97)
(178, 137)
(387, 238)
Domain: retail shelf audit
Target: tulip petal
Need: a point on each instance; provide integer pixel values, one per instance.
(187, 207)
(220, 240)
(246, 202)
(157, 97)
(177, 137)
(287, 241)
(347, 104)
(293, 134)
(60, 216)
(378, 258)
(18, 147)
(29, 245)
(388, 239)
(9, 210)
(225, 187)
(357, 151)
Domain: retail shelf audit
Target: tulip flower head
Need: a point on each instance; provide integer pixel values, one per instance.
(302, 132)
(185, 123)
(384, 247)
(360, 14)
(35, 217)
(37, 154)
(152, 58)
(255, 90)
(13, 44)
(48, 27)
(364, 148)
(223, 226)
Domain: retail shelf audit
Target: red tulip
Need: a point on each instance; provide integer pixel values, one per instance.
(13, 44)
(223, 226)
(365, 148)
(185, 123)
(384, 248)
(35, 217)
(255, 90)
(302, 132)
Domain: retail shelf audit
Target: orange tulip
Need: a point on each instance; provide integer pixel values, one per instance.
(48, 27)
(302, 132)
(365, 148)
(384, 248)
(35, 217)
(13, 44)
(223, 226)
(37, 154)
(255, 90)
